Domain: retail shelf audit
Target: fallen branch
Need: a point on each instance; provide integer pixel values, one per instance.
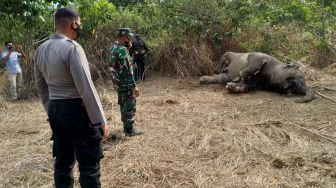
(42, 40)
(279, 122)
(333, 60)
(312, 132)
(328, 88)
(317, 86)
(325, 127)
(323, 96)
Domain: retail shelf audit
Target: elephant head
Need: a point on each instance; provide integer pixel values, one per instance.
(295, 81)
(297, 85)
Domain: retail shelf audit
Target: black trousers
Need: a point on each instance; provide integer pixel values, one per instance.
(75, 138)
(140, 62)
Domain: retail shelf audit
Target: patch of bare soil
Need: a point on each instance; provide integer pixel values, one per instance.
(195, 136)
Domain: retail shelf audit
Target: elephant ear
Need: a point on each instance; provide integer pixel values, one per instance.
(285, 84)
(264, 60)
(291, 65)
(295, 84)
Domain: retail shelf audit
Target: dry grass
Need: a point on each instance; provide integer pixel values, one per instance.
(3, 85)
(183, 60)
(195, 136)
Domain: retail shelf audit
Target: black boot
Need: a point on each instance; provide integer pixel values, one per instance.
(133, 132)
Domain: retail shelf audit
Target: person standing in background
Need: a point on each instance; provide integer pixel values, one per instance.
(139, 50)
(11, 57)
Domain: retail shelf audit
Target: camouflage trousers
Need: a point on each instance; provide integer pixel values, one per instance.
(127, 103)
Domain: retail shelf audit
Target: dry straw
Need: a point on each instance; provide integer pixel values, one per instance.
(183, 60)
(195, 136)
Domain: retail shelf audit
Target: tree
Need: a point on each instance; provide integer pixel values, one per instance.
(94, 14)
(22, 20)
(125, 3)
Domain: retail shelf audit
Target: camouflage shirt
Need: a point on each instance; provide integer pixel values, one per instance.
(122, 70)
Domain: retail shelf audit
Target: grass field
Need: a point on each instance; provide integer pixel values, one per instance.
(195, 136)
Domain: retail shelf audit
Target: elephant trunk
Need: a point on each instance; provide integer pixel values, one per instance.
(310, 95)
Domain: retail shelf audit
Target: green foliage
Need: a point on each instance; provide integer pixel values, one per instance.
(27, 22)
(270, 26)
(94, 14)
(125, 3)
(327, 55)
(194, 18)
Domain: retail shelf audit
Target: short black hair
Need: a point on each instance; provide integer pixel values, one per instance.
(7, 43)
(63, 15)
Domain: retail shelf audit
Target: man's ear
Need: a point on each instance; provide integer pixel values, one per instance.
(74, 25)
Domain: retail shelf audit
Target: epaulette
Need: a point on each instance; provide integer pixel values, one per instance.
(73, 42)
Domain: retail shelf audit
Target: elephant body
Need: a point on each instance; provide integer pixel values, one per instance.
(244, 72)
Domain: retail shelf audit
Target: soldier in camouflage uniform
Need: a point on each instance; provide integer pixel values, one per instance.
(123, 80)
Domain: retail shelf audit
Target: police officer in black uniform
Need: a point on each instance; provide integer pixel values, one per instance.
(69, 97)
(138, 51)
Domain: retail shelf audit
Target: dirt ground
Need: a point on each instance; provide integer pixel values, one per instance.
(195, 136)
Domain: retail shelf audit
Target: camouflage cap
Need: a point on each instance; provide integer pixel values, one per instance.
(124, 31)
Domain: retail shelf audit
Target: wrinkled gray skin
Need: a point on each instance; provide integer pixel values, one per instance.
(244, 72)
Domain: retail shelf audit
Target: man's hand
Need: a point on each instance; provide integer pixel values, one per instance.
(19, 48)
(106, 130)
(143, 51)
(136, 92)
(136, 52)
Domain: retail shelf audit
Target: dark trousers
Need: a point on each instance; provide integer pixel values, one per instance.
(75, 138)
(140, 69)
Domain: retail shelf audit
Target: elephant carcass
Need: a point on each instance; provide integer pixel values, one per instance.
(244, 72)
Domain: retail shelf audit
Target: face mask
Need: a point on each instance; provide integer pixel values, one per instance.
(127, 44)
(77, 30)
(10, 48)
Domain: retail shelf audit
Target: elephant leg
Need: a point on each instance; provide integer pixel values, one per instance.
(251, 70)
(246, 80)
(242, 86)
(217, 79)
(254, 66)
(237, 87)
(236, 80)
